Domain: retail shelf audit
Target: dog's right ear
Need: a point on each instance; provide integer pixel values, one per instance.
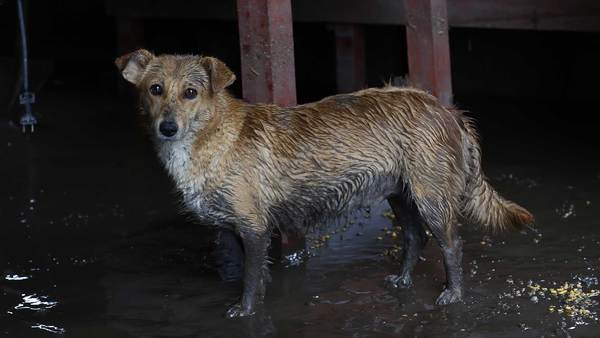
(220, 75)
(132, 65)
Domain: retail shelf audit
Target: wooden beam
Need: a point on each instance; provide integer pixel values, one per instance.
(428, 47)
(544, 15)
(567, 15)
(267, 51)
(350, 57)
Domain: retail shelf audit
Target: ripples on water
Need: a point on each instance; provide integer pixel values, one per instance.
(49, 328)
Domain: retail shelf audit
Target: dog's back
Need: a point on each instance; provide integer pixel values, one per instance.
(321, 159)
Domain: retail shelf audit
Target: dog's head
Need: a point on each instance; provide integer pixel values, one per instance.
(176, 91)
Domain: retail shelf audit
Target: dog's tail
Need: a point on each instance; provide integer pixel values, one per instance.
(481, 203)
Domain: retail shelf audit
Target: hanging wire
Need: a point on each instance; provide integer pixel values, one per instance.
(26, 97)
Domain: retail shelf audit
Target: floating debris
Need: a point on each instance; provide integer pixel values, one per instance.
(524, 327)
(538, 235)
(487, 241)
(589, 281)
(474, 268)
(566, 210)
(389, 215)
(395, 253)
(573, 300)
(319, 241)
(393, 232)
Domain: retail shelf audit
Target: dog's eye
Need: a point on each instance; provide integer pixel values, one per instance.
(156, 90)
(190, 93)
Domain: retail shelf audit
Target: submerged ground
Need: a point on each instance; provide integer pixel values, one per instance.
(93, 243)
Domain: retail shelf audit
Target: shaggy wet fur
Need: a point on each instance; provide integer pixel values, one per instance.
(254, 168)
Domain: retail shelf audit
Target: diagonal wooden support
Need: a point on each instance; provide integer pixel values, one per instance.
(267, 50)
(428, 47)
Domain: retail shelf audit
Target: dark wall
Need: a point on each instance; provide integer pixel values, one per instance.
(73, 44)
(525, 64)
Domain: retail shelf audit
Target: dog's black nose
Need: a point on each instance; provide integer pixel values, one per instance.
(168, 128)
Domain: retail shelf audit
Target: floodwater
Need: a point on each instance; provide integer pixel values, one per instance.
(93, 245)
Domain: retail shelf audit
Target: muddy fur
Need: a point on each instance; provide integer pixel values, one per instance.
(254, 168)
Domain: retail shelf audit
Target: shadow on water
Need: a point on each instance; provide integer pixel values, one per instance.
(93, 245)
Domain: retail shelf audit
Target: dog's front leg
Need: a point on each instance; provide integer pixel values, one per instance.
(256, 243)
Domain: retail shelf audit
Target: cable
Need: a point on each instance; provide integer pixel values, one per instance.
(26, 98)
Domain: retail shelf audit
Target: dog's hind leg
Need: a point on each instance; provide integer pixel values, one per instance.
(414, 239)
(451, 246)
(438, 212)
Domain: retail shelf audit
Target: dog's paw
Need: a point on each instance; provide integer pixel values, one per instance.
(449, 296)
(237, 310)
(398, 281)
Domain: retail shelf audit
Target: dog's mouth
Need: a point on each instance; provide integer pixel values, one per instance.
(166, 138)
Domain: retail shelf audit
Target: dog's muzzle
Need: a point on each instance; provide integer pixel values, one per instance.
(168, 128)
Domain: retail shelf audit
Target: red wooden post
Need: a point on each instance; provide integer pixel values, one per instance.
(268, 75)
(267, 50)
(350, 57)
(428, 47)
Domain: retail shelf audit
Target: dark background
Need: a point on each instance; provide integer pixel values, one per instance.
(72, 44)
(87, 212)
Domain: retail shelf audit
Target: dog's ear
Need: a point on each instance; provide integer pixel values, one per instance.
(220, 75)
(132, 65)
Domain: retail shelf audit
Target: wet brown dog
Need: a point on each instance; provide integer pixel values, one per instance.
(254, 168)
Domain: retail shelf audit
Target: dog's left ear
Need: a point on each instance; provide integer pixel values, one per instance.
(220, 75)
(132, 65)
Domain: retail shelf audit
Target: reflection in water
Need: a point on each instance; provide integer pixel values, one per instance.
(16, 277)
(295, 258)
(49, 328)
(259, 325)
(35, 303)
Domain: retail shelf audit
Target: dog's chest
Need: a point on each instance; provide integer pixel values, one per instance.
(195, 184)
(176, 158)
(203, 203)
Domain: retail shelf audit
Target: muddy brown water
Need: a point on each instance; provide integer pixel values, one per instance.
(93, 245)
